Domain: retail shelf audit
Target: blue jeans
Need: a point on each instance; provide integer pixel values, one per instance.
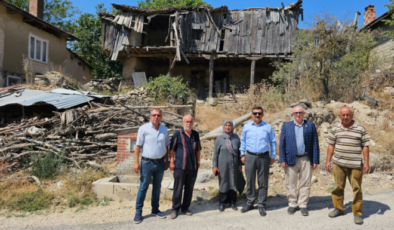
(150, 169)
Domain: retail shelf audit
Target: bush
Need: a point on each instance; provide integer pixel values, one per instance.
(75, 200)
(165, 85)
(30, 202)
(45, 166)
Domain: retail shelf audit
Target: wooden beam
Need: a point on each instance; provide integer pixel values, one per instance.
(211, 76)
(253, 58)
(252, 71)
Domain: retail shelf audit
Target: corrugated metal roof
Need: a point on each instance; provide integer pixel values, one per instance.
(73, 92)
(30, 97)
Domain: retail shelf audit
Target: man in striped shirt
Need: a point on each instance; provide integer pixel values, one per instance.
(348, 142)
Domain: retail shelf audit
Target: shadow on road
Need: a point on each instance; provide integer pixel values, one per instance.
(369, 208)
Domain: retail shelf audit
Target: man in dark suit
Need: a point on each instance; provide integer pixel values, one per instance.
(299, 156)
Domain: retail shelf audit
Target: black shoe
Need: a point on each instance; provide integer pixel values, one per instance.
(246, 208)
(234, 207)
(174, 214)
(304, 212)
(187, 212)
(291, 210)
(221, 207)
(335, 213)
(262, 211)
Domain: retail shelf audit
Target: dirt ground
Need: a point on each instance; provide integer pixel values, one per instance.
(123, 211)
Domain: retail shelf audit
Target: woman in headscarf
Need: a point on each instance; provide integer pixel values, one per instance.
(227, 165)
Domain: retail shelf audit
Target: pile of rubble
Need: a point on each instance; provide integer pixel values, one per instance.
(109, 85)
(53, 78)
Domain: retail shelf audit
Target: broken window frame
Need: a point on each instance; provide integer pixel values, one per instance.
(14, 78)
(40, 55)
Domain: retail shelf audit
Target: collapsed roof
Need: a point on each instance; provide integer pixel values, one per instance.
(196, 30)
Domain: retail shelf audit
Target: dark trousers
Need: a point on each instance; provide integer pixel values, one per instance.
(229, 197)
(184, 181)
(260, 165)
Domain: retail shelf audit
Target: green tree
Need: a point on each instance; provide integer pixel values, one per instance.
(158, 4)
(390, 22)
(329, 60)
(57, 12)
(88, 29)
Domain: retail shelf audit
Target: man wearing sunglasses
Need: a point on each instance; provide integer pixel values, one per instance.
(257, 139)
(299, 155)
(152, 143)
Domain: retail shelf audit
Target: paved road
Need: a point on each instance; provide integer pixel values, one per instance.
(377, 213)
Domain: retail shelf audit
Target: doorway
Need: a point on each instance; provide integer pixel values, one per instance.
(221, 83)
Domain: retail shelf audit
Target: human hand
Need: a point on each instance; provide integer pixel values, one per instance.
(136, 166)
(284, 165)
(328, 167)
(172, 165)
(272, 161)
(198, 165)
(214, 170)
(243, 159)
(166, 165)
(314, 166)
(240, 168)
(366, 168)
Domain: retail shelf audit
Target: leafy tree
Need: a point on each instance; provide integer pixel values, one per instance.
(158, 4)
(88, 29)
(57, 12)
(390, 22)
(329, 60)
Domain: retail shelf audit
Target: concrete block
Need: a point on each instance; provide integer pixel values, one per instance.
(105, 189)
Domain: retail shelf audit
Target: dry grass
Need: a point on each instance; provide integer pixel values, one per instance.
(76, 190)
(37, 87)
(211, 117)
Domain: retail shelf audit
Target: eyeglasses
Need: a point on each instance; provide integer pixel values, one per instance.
(298, 113)
(156, 115)
(258, 114)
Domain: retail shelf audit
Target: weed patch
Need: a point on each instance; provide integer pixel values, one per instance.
(30, 202)
(45, 166)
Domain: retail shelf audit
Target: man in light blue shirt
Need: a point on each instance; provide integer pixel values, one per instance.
(257, 139)
(152, 143)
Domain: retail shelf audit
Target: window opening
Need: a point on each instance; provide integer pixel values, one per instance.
(38, 49)
(13, 80)
(197, 34)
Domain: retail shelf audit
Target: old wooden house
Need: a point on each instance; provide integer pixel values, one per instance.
(211, 48)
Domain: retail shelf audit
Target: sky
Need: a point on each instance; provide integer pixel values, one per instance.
(340, 8)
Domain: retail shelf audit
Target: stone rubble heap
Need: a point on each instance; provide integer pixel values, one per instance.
(109, 85)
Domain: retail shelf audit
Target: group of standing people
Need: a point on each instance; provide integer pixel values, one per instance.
(299, 155)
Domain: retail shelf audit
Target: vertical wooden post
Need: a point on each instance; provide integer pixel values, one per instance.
(169, 67)
(252, 71)
(211, 77)
(253, 68)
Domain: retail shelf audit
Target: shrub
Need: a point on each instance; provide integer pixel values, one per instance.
(75, 200)
(45, 166)
(165, 85)
(31, 201)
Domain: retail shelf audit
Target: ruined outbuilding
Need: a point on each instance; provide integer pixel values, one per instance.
(211, 48)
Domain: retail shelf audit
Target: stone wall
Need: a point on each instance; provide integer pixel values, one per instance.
(383, 52)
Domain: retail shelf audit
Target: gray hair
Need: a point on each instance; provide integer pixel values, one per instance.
(155, 109)
(299, 107)
(345, 106)
(188, 115)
